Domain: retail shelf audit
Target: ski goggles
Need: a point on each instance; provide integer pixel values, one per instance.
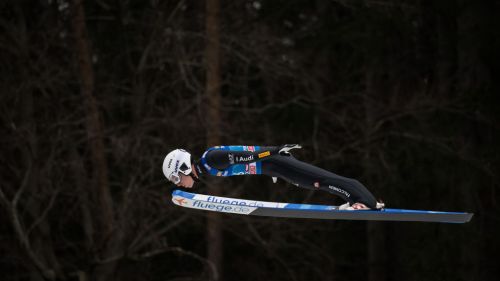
(175, 178)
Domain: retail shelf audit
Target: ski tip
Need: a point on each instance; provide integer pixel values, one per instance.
(468, 217)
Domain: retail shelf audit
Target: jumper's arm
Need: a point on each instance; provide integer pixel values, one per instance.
(221, 159)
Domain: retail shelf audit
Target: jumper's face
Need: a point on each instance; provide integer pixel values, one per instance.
(186, 181)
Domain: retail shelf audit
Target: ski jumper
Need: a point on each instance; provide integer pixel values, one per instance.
(266, 160)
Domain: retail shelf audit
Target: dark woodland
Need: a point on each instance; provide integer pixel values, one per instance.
(399, 94)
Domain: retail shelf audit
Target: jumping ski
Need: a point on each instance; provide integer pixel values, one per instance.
(292, 210)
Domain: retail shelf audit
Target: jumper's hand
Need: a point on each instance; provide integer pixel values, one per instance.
(287, 147)
(359, 206)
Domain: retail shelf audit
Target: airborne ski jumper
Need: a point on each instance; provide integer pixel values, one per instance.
(273, 161)
(277, 162)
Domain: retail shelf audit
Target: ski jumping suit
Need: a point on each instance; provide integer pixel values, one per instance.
(266, 160)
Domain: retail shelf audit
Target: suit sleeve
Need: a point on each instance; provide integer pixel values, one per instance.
(222, 159)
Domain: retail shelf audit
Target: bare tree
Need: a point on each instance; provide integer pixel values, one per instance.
(213, 103)
(104, 213)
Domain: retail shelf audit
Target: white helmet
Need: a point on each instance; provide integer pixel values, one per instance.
(177, 161)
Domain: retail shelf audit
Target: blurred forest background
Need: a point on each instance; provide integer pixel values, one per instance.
(401, 95)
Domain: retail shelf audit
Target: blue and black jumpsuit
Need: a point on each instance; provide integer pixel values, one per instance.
(266, 160)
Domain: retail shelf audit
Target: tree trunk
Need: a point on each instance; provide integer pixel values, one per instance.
(446, 48)
(477, 49)
(41, 241)
(214, 231)
(99, 192)
(375, 235)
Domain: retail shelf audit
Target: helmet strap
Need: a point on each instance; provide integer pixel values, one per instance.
(195, 178)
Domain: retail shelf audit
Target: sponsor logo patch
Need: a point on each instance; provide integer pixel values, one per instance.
(264, 154)
(231, 158)
(237, 209)
(176, 166)
(339, 190)
(244, 158)
(181, 201)
(316, 184)
(234, 202)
